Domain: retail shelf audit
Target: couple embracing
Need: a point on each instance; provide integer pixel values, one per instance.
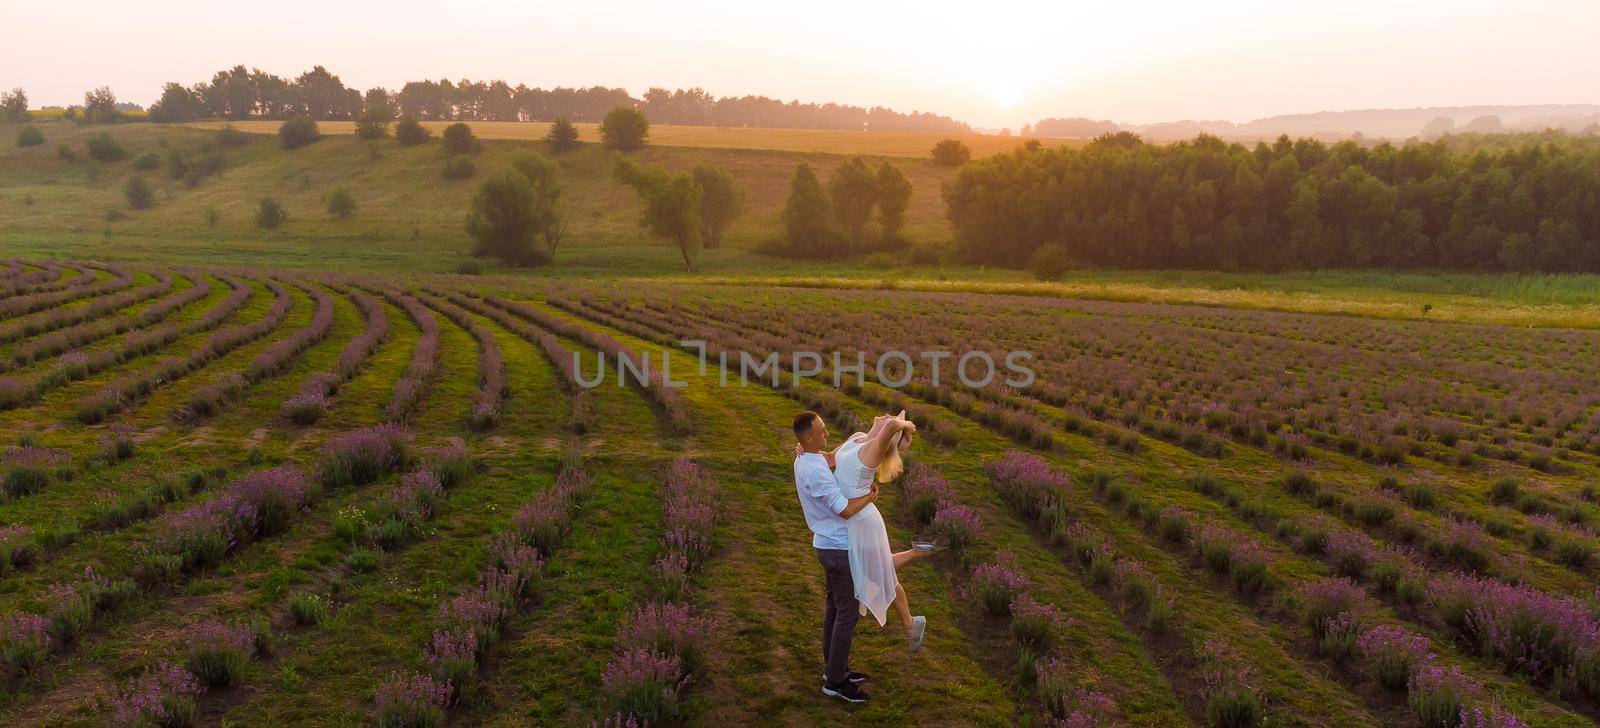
(837, 491)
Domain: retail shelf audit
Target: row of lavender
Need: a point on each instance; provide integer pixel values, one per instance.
(661, 645)
(86, 284)
(1551, 641)
(315, 396)
(183, 542)
(655, 387)
(469, 624)
(1177, 373)
(216, 653)
(492, 384)
(207, 399)
(124, 390)
(45, 275)
(1338, 617)
(1001, 589)
(90, 331)
(565, 362)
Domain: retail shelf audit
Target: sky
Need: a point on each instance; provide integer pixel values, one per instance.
(992, 64)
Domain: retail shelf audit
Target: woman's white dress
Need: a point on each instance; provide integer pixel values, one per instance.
(871, 561)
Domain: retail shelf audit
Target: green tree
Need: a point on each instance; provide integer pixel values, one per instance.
(373, 123)
(138, 193)
(339, 202)
(624, 129)
(1050, 262)
(104, 148)
(177, 103)
(29, 136)
(563, 136)
(270, 214)
(951, 153)
(100, 106)
(671, 205)
(298, 131)
(853, 189)
(808, 217)
(894, 196)
(503, 221)
(458, 139)
(410, 132)
(14, 106)
(544, 175)
(721, 201)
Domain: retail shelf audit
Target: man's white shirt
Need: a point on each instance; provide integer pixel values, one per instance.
(821, 500)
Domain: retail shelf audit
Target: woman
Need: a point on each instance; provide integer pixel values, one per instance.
(857, 461)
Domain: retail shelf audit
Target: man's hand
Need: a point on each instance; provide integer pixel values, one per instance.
(829, 457)
(873, 494)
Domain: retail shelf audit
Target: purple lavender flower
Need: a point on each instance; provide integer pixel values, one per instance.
(408, 701)
(163, 695)
(643, 684)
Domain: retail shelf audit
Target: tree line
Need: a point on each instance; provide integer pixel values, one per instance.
(240, 93)
(1479, 202)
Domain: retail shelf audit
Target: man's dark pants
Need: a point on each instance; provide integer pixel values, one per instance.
(839, 617)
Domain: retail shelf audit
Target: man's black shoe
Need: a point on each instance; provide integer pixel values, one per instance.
(856, 678)
(846, 692)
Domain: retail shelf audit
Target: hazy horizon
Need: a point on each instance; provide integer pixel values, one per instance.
(1163, 62)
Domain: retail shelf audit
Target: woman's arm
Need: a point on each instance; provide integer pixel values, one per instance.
(877, 449)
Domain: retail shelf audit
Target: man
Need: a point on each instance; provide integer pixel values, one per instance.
(826, 509)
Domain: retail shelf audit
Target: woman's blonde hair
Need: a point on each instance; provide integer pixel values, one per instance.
(892, 465)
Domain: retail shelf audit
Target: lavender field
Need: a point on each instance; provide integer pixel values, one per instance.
(268, 497)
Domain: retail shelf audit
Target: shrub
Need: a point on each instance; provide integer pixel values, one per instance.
(163, 696)
(668, 629)
(459, 168)
(951, 153)
(363, 560)
(15, 550)
(29, 136)
(298, 131)
(1438, 697)
(270, 214)
(1351, 552)
(1504, 491)
(924, 489)
(1074, 706)
(996, 583)
(308, 610)
(1231, 702)
(138, 193)
(1050, 262)
(147, 162)
(958, 525)
(469, 267)
(453, 659)
(1392, 654)
(362, 456)
(65, 152)
(1526, 630)
(562, 136)
(24, 641)
(1419, 496)
(1463, 542)
(1323, 601)
(1027, 483)
(339, 202)
(218, 653)
(643, 684)
(1033, 623)
(411, 701)
(624, 129)
(1172, 525)
(103, 148)
(451, 463)
(458, 139)
(409, 132)
(1247, 566)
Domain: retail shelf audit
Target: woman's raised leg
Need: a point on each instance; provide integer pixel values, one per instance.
(905, 557)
